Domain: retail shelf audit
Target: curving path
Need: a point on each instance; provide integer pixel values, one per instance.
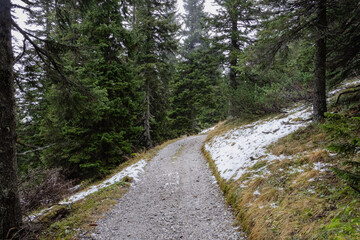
(176, 198)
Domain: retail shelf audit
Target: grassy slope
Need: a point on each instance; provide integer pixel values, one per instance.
(289, 198)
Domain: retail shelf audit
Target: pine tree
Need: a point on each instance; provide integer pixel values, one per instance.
(154, 24)
(233, 23)
(197, 100)
(93, 130)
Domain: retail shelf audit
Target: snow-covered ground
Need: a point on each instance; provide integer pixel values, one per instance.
(242, 147)
(132, 171)
(206, 131)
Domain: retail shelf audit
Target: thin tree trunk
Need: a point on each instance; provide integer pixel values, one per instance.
(233, 63)
(10, 214)
(319, 98)
(148, 140)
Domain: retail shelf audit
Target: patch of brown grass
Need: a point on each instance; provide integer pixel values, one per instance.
(306, 139)
(318, 156)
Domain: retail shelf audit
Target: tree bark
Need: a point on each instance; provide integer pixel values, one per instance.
(233, 63)
(10, 213)
(147, 128)
(319, 97)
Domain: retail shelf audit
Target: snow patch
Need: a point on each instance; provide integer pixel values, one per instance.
(131, 171)
(273, 205)
(206, 131)
(343, 87)
(241, 148)
(257, 192)
(321, 167)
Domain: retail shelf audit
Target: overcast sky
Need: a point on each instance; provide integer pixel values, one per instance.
(210, 6)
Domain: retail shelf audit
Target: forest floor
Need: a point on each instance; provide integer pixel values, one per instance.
(175, 198)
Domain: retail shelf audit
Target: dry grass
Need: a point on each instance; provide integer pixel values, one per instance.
(295, 201)
(307, 139)
(68, 221)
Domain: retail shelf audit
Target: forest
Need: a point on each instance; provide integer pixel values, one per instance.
(92, 83)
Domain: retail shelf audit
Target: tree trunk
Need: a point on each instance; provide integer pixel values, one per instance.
(319, 98)
(10, 214)
(148, 140)
(233, 63)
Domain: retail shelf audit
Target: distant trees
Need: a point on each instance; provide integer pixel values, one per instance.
(198, 94)
(155, 28)
(233, 24)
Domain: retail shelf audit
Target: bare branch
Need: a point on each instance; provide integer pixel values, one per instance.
(21, 54)
(347, 92)
(22, 7)
(35, 150)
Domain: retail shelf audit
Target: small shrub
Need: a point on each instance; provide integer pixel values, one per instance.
(345, 135)
(42, 187)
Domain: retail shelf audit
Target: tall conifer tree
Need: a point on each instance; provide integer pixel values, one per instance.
(10, 220)
(292, 20)
(155, 27)
(233, 23)
(197, 99)
(93, 129)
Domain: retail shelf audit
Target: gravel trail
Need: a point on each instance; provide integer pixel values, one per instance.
(176, 198)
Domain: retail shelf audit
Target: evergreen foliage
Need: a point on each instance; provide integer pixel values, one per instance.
(198, 99)
(93, 130)
(233, 24)
(155, 27)
(345, 139)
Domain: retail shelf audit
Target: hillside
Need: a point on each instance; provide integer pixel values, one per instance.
(281, 175)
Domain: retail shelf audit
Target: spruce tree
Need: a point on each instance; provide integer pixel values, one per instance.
(155, 27)
(289, 21)
(197, 98)
(233, 23)
(94, 129)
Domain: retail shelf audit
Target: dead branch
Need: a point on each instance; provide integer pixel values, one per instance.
(35, 150)
(347, 92)
(271, 131)
(21, 7)
(297, 122)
